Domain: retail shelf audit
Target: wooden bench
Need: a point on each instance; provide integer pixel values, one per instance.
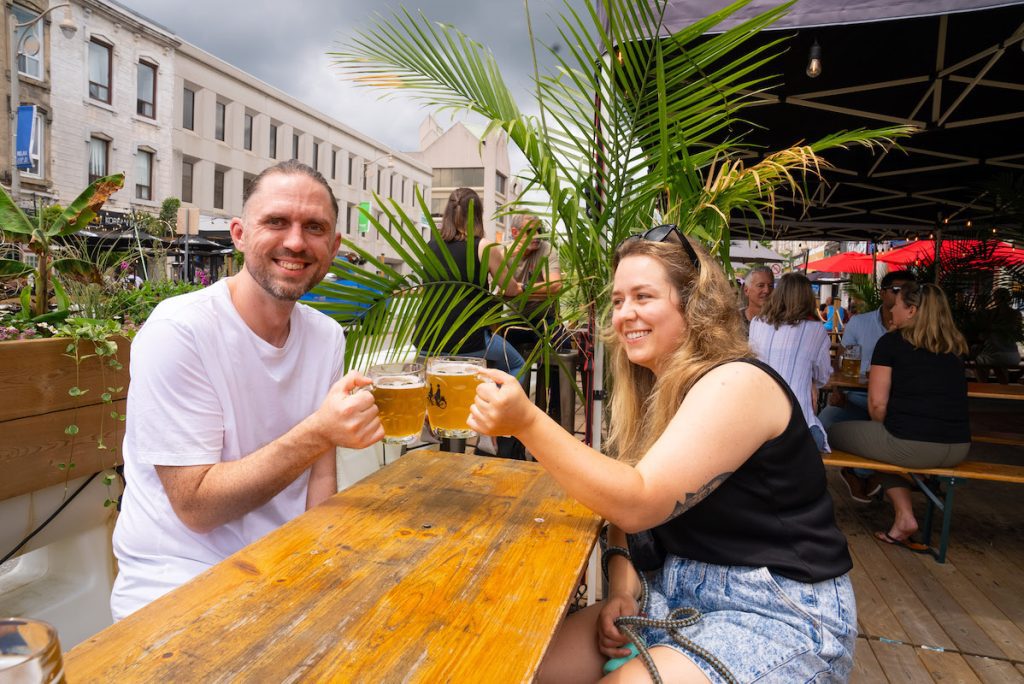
(950, 477)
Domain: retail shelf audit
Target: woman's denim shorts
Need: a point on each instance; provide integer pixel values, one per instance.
(762, 626)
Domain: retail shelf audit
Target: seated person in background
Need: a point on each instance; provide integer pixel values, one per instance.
(917, 398)
(864, 330)
(757, 287)
(737, 498)
(237, 399)
(538, 265)
(835, 317)
(1000, 330)
(789, 337)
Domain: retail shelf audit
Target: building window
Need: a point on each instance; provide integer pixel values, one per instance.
(391, 186)
(146, 101)
(219, 122)
(500, 183)
(316, 156)
(334, 164)
(402, 198)
(459, 178)
(273, 141)
(35, 149)
(144, 175)
(348, 218)
(99, 71)
(218, 189)
(295, 145)
(247, 132)
(188, 110)
(98, 153)
(30, 43)
(378, 181)
(437, 205)
(350, 169)
(187, 170)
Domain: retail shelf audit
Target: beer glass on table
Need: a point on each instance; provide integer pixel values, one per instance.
(399, 390)
(451, 389)
(29, 652)
(851, 361)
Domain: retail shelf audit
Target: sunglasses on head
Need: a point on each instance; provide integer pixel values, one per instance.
(661, 234)
(895, 289)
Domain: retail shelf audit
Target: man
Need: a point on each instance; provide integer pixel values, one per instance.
(235, 405)
(864, 330)
(757, 287)
(539, 269)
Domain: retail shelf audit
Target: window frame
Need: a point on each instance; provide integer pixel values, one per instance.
(139, 102)
(143, 153)
(223, 181)
(29, 14)
(38, 144)
(191, 180)
(106, 157)
(247, 126)
(316, 156)
(109, 85)
(220, 121)
(188, 109)
(296, 144)
(272, 142)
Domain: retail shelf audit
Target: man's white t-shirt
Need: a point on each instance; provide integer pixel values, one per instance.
(205, 389)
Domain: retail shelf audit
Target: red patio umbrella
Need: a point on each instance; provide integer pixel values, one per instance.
(923, 251)
(847, 262)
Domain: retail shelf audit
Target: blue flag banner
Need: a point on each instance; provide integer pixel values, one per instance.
(26, 120)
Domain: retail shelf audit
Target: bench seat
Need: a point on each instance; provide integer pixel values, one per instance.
(949, 477)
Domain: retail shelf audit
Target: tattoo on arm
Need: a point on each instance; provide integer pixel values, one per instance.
(694, 498)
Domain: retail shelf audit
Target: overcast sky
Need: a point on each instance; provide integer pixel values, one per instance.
(286, 45)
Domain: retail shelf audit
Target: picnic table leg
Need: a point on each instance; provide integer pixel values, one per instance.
(947, 513)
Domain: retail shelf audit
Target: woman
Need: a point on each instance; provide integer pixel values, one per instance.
(917, 400)
(468, 336)
(737, 498)
(789, 337)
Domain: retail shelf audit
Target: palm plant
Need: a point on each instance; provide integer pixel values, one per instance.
(41, 233)
(630, 131)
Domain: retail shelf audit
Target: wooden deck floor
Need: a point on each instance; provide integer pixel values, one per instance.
(962, 621)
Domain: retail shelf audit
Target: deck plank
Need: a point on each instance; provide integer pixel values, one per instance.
(992, 671)
(866, 669)
(948, 667)
(901, 663)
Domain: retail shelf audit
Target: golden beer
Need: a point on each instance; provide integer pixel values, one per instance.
(402, 401)
(400, 393)
(850, 368)
(451, 389)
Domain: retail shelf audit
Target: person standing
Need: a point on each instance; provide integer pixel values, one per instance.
(757, 287)
(237, 399)
(1001, 330)
(789, 337)
(917, 399)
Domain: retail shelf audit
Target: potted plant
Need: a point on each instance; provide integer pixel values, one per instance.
(631, 132)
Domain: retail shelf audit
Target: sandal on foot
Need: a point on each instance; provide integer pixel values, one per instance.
(908, 544)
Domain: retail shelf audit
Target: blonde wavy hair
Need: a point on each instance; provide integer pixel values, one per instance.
(932, 327)
(641, 403)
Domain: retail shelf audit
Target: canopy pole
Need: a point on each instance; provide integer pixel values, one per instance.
(938, 253)
(874, 263)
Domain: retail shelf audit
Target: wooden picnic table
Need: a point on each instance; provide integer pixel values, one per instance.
(976, 390)
(439, 567)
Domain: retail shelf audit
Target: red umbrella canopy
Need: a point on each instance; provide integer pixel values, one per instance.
(923, 251)
(847, 262)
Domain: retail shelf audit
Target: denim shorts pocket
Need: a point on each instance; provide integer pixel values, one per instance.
(800, 597)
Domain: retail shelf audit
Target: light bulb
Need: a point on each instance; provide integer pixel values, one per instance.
(814, 61)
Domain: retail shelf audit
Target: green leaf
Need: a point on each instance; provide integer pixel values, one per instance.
(17, 227)
(75, 392)
(71, 430)
(12, 268)
(114, 414)
(105, 396)
(83, 208)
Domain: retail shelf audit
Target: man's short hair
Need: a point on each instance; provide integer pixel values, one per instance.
(291, 166)
(758, 269)
(902, 276)
(522, 221)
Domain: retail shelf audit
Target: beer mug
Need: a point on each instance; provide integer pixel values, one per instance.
(29, 652)
(451, 389)
(851, 361)
(399, 390)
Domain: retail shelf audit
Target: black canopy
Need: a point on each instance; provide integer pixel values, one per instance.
(954, 69)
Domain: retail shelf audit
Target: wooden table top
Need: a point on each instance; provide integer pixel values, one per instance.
(977, 390)
(439, 567)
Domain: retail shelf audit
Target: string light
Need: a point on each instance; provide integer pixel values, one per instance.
(814, 60)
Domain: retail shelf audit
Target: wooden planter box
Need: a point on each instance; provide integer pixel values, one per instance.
(36, 408)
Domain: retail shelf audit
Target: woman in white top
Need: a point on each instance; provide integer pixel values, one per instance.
(789, 337)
